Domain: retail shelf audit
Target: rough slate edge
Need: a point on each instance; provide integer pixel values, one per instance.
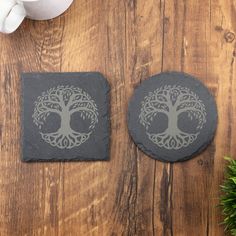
(154, 156)
(58, 159)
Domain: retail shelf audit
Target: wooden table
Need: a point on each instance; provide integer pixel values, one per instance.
(131, 194)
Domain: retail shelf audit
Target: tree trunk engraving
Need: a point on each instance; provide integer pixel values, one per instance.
(64, 101)
(172, 101)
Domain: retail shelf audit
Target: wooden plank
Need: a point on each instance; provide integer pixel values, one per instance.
(32, 197)
(193, 44)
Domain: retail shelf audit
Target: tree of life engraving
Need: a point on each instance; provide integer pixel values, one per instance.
(172, 101)
(65, 101)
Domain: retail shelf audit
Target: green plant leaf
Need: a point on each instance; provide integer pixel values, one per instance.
(228, 198)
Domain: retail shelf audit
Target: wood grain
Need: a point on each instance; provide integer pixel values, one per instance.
(132, 194)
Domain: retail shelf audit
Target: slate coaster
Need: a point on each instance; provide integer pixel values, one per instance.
(65, 117)
(172, 117)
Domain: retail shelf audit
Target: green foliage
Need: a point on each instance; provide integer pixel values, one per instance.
(228, 199)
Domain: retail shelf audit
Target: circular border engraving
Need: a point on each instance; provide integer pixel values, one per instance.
(65, 101)
(189, 111)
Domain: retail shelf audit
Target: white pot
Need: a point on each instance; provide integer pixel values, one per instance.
(13, 12)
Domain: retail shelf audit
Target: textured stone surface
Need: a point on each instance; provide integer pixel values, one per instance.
(65, 116)
(172, 117)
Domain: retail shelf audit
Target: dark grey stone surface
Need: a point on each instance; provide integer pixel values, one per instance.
(65, 117)
(172, 117)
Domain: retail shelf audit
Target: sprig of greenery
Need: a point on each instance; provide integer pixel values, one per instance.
(228, 199)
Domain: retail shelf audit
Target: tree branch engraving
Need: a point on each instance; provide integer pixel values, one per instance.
(172, 101)
(65, 101)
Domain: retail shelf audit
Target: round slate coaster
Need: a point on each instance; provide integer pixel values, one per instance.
(172, 117)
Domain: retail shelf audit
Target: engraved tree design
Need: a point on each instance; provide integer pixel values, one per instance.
(65, 101)
(172, 101)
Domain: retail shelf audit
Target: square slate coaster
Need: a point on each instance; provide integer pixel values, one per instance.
(65, 117)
